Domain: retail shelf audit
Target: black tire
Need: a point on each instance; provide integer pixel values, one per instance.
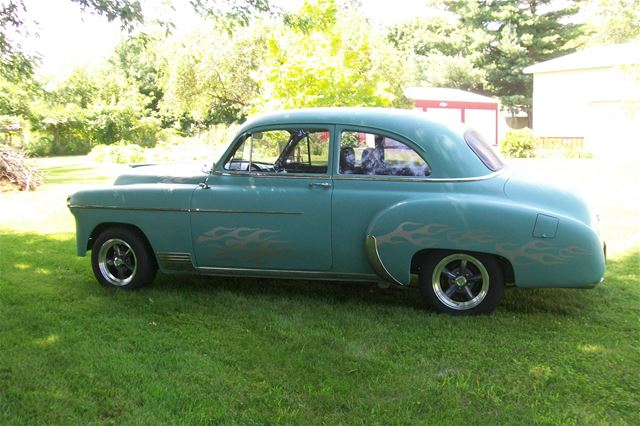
(461, 283)
(122, 258)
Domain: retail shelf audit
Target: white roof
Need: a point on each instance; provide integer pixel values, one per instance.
(445, 94)
(595, 57)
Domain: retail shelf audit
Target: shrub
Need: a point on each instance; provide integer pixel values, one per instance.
(145, 132)
(519, 144)
(39, 145)
(120, 153)
(206, 146)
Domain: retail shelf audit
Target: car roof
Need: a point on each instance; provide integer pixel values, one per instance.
(400, 121)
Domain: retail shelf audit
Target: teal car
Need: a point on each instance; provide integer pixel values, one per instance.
(348, 194)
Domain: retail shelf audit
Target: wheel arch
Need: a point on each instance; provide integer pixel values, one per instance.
(100, 228)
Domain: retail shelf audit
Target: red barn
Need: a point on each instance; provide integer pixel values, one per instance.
(477, 111)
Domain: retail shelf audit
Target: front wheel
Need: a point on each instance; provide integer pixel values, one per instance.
(121, 258)
(461, 283)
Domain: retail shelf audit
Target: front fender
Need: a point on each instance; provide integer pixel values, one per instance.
(160, 211)
(564, 253)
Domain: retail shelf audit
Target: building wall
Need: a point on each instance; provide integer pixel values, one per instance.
(599, 105)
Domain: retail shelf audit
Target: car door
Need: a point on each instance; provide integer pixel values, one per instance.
(376, 170)
(267, 205)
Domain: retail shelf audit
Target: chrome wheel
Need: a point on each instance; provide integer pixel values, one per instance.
(117, 262)
(460, 281)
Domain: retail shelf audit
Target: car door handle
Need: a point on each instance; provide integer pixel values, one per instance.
(320, 184)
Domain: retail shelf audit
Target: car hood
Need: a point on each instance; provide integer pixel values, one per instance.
(548, 196)
(191, 173)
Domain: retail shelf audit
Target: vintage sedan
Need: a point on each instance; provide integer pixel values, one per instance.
(350, 194)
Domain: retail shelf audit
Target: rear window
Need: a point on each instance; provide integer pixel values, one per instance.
(482, 149)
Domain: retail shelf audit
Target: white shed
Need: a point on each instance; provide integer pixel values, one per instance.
(592, 95)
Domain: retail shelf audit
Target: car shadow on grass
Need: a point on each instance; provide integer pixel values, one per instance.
(49, 262)
(335, 292)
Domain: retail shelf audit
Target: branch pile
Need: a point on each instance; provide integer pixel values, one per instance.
(15, 172)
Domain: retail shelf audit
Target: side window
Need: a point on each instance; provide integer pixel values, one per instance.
(375, 154)
(290, 150)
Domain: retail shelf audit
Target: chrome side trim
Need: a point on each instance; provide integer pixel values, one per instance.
(151, 209)
(272, 175)
(179, 262)
(146, 209)
(285, 274)
(417, 179)
(376, 263)
(243, 211)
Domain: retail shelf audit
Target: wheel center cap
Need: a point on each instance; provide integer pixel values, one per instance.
(460, 281)
(118, 262)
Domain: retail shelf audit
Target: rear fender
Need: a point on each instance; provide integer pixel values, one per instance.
(486, 225)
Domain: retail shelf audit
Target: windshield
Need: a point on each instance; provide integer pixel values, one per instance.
(482, 149)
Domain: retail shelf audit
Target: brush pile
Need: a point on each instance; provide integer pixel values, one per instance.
(15, 173)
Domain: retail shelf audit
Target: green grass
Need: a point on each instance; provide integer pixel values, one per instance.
(192, 350)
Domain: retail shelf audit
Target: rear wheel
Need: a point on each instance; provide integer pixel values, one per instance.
(461, 283)
(122, 258)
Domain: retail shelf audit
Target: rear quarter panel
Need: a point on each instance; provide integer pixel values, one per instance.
(479, 219)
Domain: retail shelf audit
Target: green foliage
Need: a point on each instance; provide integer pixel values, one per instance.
(15, 98)
(334, 59)
(458, 72)
(118, 153)
(209, 76)
(18, 66)
(349, 140)
(429, 36)
(322, 56)
(616, 21)
(58, 129)
(443, 53)
(92, 107)
(140, 61)
(205, 146)
(230, 13)
(519, 144)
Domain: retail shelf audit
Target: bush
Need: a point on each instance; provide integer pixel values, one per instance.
(145, 132)
(519, 144)
(206, 146)
(119, 153)
(39, 145)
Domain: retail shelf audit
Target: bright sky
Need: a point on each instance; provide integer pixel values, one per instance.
(67, 37)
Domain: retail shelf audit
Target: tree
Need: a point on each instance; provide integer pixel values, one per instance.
(442, 52)
(16, 65)
(210, 75)
(320, 56)
(14, 98)
(513, 34)
(330, 57)
(616, 21)
(139, 60)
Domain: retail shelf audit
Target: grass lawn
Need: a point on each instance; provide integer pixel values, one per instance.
(203, 350)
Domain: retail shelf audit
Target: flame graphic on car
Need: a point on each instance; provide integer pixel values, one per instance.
(435, 234)
(244, 244)
(539, 251)
(426, 236)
